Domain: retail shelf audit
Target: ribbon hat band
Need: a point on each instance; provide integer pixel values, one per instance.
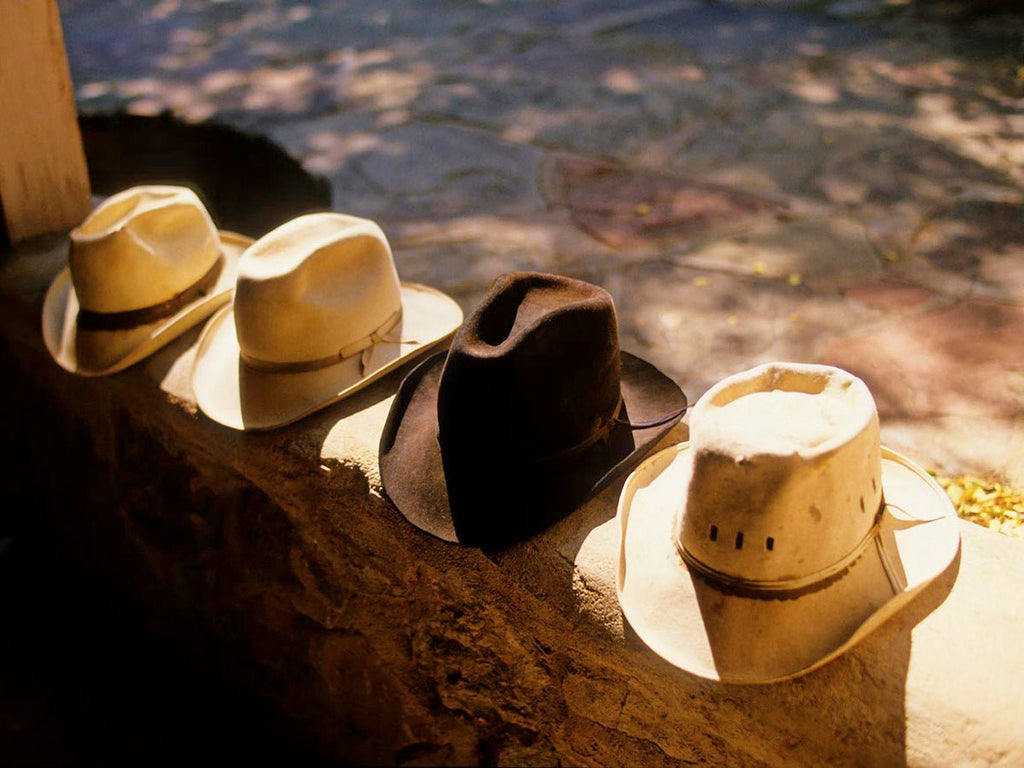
(133, 318)
(378, 336)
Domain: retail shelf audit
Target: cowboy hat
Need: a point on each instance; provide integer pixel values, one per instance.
(144, 266)
(531, 411)
(318, 314)
(781, 533)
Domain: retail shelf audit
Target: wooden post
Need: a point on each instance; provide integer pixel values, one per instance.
(44, 181)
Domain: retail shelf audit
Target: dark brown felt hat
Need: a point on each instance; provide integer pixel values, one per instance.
(531, 411)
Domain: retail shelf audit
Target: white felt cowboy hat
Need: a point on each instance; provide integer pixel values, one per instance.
(318, 314)
(781, 533)
(145, 265)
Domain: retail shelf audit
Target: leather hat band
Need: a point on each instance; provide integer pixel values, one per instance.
(133, 318)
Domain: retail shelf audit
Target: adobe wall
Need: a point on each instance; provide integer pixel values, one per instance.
(276, 559)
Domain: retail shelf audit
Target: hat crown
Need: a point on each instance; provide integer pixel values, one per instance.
(314, 286)
(534, 371)
(786, 474)
(141, 247)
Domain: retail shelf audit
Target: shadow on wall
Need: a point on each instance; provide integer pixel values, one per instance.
(249, 184)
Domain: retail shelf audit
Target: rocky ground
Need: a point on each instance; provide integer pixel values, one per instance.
(831, 181)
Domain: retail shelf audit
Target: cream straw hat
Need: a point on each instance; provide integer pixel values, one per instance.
(782, 533)
(318, 314)
(145, 266)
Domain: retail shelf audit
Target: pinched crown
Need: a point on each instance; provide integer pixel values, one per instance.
(534, 371)
(141, 247)
(313, 287)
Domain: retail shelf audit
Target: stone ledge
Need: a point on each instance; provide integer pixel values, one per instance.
(275, 558)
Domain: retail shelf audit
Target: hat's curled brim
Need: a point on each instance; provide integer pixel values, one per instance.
(734, 639)
(238, 396)
(412, 471)
(101, 352)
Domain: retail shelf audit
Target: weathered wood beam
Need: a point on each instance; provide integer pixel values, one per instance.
(44, 180)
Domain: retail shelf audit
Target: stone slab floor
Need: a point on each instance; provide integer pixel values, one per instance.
(839, 182)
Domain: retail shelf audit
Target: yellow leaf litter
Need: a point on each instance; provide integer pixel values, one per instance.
(987, 502)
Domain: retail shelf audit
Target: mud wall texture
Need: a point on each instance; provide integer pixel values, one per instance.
(275, 560)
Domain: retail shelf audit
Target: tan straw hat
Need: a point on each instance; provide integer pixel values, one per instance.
(318, 314)
(782, 533)
(145, 266)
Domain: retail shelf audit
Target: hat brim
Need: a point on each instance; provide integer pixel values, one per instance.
(238, 396)
(411, 466)
(734, 639)
(102, 352)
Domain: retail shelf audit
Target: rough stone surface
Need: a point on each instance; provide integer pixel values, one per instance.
(606, 142)
(275, 559)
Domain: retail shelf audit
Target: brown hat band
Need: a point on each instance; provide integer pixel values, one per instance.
(89, 320)
(615, 420)
(349, 350)
(598, 434)
(781, 589)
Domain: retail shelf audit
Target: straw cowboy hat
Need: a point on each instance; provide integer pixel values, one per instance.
(318, 314)
(145, 266)
(532, 410)
(782, 533)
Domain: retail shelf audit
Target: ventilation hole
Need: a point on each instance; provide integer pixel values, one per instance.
(714, 533)
(739, 540)
(769, 543)
(861, 503)
(874, 486)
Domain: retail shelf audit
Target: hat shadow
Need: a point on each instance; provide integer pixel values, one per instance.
(315, 427)
(163, 360)
(317, 391)
(567, 535)
(253, 185)
(562, 491)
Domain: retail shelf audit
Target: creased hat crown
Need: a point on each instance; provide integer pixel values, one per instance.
(313, 287)
(533, 372)
(786, 475)
(141, 247)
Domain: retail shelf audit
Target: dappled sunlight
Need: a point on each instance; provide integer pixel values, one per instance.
(701, 326)
(465, 253)
(985, 137)
(326, 152)
(687, 73)
(844, 191)
(388, 89)
(290, 90)
(741, 143)
(969, 348)
(309, 59)
(479, 228)
(531, 121)
(622, 80)
(943, 73)
(286, 90)
(814, 90)
(629, 209)
(204, 60)
(798, 107)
